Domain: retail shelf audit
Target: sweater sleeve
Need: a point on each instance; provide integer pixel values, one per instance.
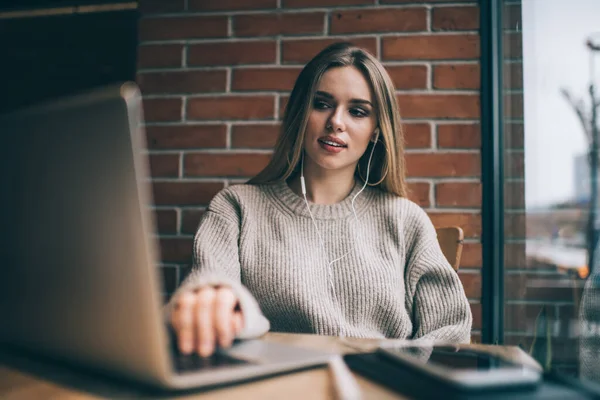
(434, 292)
(216, 262)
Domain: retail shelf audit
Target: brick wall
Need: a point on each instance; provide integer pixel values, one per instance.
(216, 75)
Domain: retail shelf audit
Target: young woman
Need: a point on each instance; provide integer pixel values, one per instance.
(323, 240)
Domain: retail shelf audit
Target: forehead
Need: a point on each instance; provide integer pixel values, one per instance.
(345, 83)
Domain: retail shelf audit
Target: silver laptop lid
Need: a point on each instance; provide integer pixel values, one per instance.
(78, 277)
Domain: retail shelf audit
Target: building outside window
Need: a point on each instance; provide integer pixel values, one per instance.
(550, 68)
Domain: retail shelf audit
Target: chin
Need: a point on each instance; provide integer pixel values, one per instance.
(332, 166)
(330, 162)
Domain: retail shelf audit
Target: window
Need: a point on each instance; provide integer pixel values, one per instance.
(549, 62)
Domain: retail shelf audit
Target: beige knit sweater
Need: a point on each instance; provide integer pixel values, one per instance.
(394, 281)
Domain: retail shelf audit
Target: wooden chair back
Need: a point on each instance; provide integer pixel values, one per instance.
(451, 241)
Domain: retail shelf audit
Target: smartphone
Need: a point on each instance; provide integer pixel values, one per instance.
(462, 368)
(446, 372)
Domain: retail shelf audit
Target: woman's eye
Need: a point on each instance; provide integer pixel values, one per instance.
(358, 112)
(320, 105)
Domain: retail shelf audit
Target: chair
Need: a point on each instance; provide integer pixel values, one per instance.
(451, 240)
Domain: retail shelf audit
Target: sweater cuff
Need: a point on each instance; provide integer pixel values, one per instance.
(255, 323)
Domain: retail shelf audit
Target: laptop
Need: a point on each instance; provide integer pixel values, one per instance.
(79, 279)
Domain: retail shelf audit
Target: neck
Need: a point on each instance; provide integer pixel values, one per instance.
(325, 187)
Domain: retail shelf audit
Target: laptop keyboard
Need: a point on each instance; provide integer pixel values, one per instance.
(193, 362)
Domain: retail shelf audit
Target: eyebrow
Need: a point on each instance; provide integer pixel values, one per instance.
(330, 96)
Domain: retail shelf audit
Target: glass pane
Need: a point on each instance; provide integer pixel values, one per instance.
(548, 68)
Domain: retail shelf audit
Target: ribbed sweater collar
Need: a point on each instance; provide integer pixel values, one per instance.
(291, 203)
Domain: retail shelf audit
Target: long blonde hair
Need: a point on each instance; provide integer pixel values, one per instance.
(388, 166)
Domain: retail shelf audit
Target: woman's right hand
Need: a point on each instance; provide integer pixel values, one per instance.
(205, 318)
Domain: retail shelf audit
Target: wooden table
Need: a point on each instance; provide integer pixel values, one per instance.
(44, 382)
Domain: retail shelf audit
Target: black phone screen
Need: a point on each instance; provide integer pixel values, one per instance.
(455, 358)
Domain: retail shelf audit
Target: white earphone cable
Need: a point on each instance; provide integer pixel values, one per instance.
(322, 241)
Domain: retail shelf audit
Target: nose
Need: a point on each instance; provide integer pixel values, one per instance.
(336, 120)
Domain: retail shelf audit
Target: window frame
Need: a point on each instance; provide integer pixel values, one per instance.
(492, 171)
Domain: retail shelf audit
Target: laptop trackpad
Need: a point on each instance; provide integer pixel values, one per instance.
(193, 362)
(262, 352)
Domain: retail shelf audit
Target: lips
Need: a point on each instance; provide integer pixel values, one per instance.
(332, 141)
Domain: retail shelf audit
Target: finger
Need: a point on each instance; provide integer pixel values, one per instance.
(224, 305)
(183, 322)
(205, 335)
(237, 322)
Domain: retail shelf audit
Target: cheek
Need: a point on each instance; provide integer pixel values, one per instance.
(316, 123)
(363, 135)
(361, 148)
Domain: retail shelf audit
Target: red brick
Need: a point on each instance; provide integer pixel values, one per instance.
(190, 220)
(160, 6)
(162, 110)
(514, 164)
(176, 250)
(230, 5)
(164, 165)
(439, 105)
(430, 47)
(166, 221)
(514, 135)
(182, 82)
(513, 75)
(242, 165)
(324, 3)
(419, 193)
(515, 225)
(169, 278)
(378, 20)
(513, 105)
(459, 136)
(456, 76)
(443, 164)
(270, 24)
(514, 195)
(174, 28)
(231, 107)
(476, 312)
(455, 18)
(254, 136)
(264, 78)
(408, 76)
(469, 222)
(232, 53)
(513, 45)
(540, 288)
(514, 255)
(471, 256)
(512, 17)
(417, 135)
(159, 56)
(185, 193)
(283, 100)
(521, 317)
(302, 51)
(471, 283)
(186, 136)
(563, 293)
(458, 194)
